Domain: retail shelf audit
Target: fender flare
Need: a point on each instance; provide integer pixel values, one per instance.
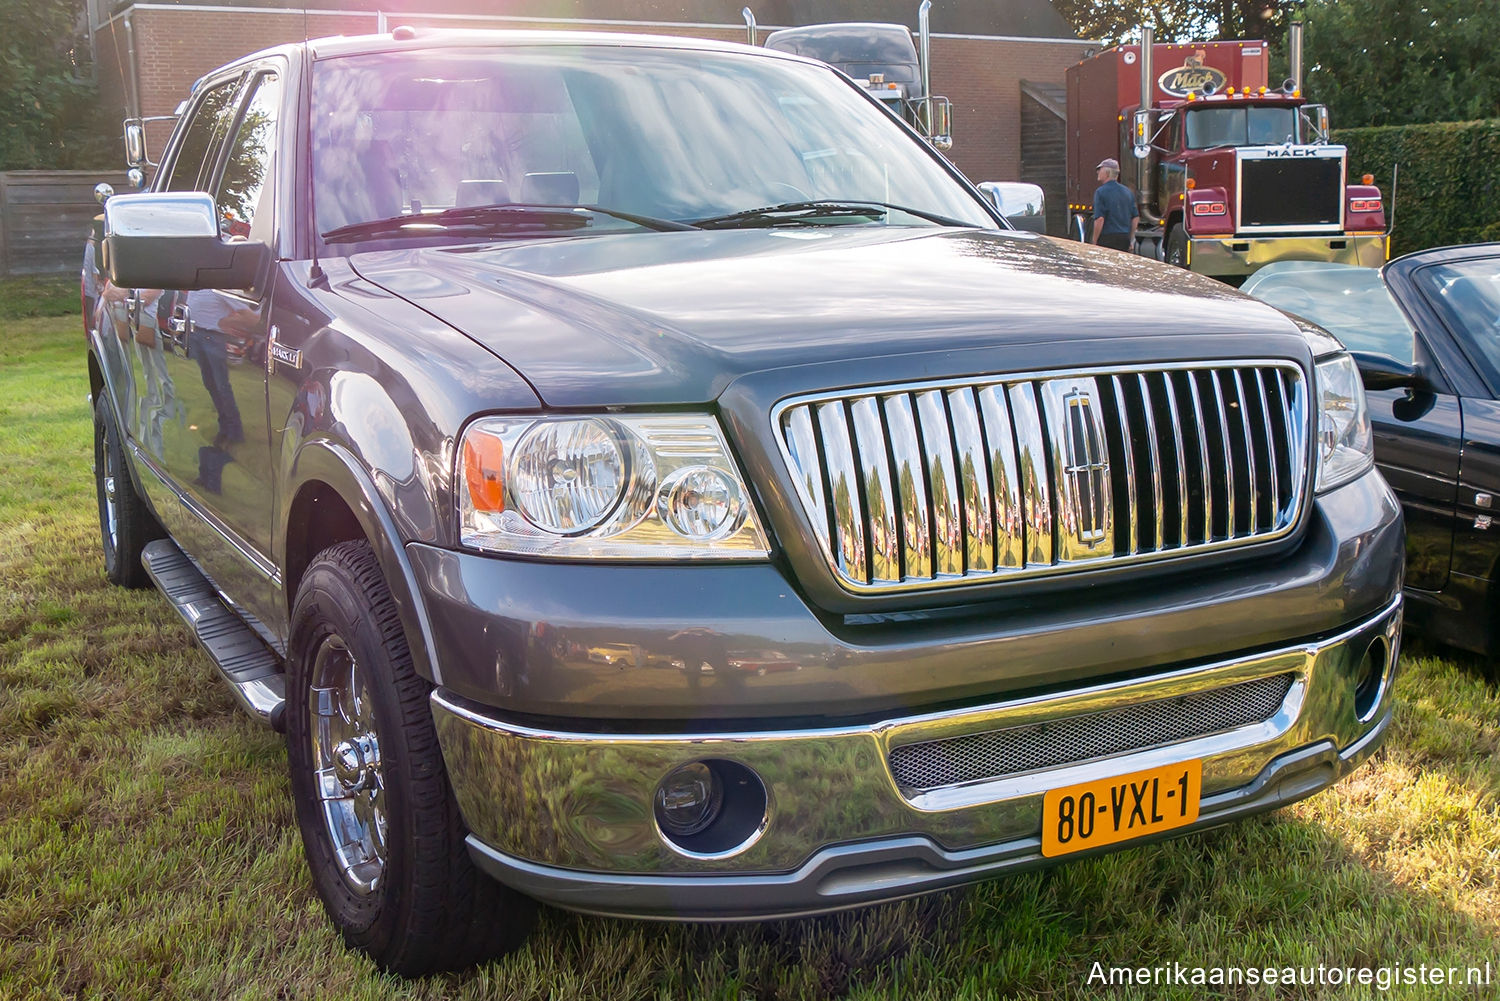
(334, 466)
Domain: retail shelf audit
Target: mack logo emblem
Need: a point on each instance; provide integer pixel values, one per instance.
(1192, 77)
(1292, 151)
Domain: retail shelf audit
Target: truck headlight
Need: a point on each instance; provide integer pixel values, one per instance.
(604, 487)
(1346, 447)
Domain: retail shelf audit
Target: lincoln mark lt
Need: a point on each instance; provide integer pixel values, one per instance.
(644, 476)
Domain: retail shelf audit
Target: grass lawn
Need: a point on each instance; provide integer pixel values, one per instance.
(147, 847)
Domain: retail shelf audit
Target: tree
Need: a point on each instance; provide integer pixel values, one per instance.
(49, 107)
(1113, 21)
(1398, 62)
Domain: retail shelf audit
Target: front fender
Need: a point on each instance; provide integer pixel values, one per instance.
(323, 466)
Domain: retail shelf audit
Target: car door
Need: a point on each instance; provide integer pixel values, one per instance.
(1418, 445)
(219, 453)
(1454, 294)
(159, 405)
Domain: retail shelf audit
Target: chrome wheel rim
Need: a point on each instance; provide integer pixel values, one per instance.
(347, 766)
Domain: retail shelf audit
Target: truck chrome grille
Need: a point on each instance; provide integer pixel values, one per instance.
(919, 486)
(1015, 750)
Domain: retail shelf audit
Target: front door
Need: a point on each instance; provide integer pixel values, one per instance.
(213, 441)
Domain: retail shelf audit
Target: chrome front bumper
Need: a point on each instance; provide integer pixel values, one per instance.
(1222, 256)
(567, 817)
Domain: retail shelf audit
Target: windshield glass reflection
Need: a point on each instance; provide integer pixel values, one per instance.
(1351, 303)
(679, 135)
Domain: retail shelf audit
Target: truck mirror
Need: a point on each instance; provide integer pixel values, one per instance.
(939, 131)
(137, 178)
(1315, 120)
(135, 144)
(1141, 151)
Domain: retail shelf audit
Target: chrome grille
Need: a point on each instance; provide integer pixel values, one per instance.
(1019, 749)
(929, 485)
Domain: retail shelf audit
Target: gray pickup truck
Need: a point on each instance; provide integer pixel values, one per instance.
(642, 475)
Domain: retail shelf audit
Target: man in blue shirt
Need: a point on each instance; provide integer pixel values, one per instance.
(1115, 215)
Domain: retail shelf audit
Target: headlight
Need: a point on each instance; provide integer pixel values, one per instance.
(1344, 442)
(604, 487)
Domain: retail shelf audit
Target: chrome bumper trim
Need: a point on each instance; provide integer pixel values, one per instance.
(582, 801)
(855, 875)
(1215, 255)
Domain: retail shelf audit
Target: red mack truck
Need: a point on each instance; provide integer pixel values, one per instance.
(1229, 174)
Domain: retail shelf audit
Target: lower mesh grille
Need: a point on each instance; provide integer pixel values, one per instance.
(1018, 749)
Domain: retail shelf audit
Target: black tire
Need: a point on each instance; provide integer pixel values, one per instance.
(126, 524)
(1177, 246)
(429, 909)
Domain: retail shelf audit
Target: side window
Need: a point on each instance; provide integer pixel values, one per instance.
(244, 194)
(201, 140)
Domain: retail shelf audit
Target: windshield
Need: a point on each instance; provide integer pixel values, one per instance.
(1467, 293)
(661, 133)
(1243, 126)
(1351, 303)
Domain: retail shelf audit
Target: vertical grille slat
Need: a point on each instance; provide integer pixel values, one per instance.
(1005, 479)
(1128, 451)
(978, 536)
(947, 512)
(1265, 412)
(1246, 449)
(1205, 471)
(880, 498)
(1031, 456)
(911, 487)
(844, 492)
(807, 469)
(928, 485)
(1181, 454)
(1147, 406)
(1231, 526)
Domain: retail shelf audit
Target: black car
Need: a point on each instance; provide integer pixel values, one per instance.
(1425, 332)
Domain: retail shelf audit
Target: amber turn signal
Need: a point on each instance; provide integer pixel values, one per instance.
(1367, 179)
(484, 456)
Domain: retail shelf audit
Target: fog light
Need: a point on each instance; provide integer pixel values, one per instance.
(688, 800)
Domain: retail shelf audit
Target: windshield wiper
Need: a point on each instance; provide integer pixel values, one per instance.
(801, 213)
(489, 219)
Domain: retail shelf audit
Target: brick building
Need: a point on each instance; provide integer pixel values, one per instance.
(992, 58)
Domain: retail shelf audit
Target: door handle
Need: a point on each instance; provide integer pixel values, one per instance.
(181, 322)
(133, 309)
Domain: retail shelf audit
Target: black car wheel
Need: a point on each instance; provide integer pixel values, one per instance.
(126, 524)
(380, 827)
(1177, 246)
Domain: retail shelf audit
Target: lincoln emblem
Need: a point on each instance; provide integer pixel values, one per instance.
(1085, 472)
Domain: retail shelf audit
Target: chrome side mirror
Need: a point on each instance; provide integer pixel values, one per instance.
(102, 192)
(939, 131)
(1315, 118)
(1023, 205)
(135, 144)
(137, 178)
(171, 240)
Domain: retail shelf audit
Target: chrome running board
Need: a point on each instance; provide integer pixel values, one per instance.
(250, 668)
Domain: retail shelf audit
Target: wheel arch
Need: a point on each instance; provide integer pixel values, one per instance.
(332, 499)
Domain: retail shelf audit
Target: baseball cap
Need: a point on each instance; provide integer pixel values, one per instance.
(1111, 163)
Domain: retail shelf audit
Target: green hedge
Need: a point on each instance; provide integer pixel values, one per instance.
(1449, 186)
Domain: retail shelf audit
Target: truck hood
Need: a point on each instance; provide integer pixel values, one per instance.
(655, 318)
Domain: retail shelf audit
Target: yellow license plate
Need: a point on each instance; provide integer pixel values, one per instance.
(1108, 811)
